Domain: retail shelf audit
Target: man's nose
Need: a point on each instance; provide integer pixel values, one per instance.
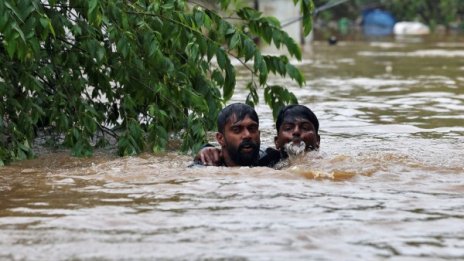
(296, 131)
(246, 134)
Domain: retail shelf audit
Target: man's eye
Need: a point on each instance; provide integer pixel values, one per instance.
(235, 129)
(288, 128)
(306, 127)
(253, 128)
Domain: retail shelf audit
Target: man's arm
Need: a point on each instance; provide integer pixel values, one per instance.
(209, 156)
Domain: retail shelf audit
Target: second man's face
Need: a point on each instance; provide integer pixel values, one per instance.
(295, 131)
(241, 140)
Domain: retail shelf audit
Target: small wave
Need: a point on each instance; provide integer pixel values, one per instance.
(418, 53)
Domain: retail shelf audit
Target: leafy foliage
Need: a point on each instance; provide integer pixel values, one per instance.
(137, 71)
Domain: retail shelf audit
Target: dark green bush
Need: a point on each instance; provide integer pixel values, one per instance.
(135, 71)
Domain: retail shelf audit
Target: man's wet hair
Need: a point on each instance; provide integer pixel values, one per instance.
(294, 112)
(240, 110)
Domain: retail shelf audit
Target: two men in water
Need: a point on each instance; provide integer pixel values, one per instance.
(239, 137)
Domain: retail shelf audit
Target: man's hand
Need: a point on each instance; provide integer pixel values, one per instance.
(209, 156)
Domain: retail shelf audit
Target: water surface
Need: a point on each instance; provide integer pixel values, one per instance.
(388, 182)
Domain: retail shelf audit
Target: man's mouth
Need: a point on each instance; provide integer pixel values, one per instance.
(247, 147)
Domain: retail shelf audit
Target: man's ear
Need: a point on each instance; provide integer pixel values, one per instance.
(318, 140)
(220, 139)
(275, 143)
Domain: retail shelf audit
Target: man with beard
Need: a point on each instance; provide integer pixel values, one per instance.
(297, 132)
(239, 137)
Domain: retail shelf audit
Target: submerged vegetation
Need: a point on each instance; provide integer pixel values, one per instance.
(136, 71)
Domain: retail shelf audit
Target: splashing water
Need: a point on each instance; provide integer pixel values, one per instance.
(294, 149)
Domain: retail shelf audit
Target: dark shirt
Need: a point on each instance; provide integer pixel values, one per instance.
(267, 158)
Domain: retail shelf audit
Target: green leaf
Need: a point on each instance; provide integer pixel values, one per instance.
(229, 83)
(44, 22)
(263, 72)
(267, 34)
(20, 32)
(123, 46)
(50, 27)
(207, 22)
(273, 21)
(90, 124)
(168, 6)
(277, 97)
(217, 77)
(252, 97)
(11, 49)
(14, 10)
(202, 45)
(258, 61)
(20, 155)
(211, 50)
(295, 74)
(153, 47)
(277, 38)
(234, 41)
(293, 47)
(3, 22)
(249, 48)
(199, 17)
(100, 53)
(162, 133)
(221, 58)
(92, 6)
(192, 51)
(230, 30)
(307, 8)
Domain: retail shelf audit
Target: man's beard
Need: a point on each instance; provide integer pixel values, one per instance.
(242, 158)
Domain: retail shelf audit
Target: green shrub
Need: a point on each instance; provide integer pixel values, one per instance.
(136, 71)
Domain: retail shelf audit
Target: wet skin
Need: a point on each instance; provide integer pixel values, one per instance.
(240, 142)
(295, 131)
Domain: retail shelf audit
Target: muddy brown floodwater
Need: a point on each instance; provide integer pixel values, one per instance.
(388, 182)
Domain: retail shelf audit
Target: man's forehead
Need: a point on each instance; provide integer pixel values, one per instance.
(295, 119)
(233, 119)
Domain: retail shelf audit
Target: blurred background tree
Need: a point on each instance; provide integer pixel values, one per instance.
(429, 12)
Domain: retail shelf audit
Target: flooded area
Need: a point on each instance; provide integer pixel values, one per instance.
(387, 183)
